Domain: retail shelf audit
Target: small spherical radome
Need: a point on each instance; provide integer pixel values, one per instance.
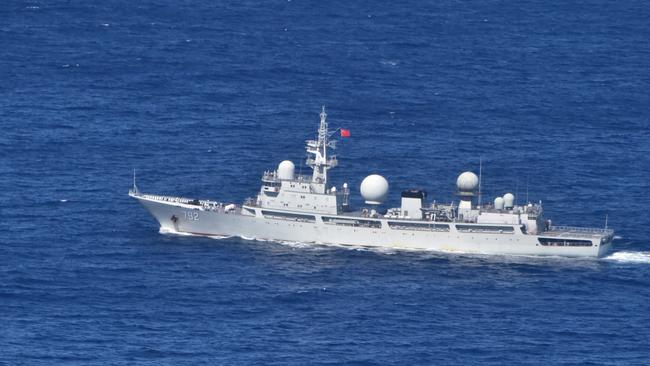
(374, 189)
(286, 170)
(467, 182)
(509, 200)
(498, 203)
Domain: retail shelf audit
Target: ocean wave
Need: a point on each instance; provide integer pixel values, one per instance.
(220, 237)
(165, 231)
(629, 257)
(389, 62)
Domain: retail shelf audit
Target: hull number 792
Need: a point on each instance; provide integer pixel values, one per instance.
(191, 216)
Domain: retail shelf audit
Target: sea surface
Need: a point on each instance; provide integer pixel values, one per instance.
(200, 97)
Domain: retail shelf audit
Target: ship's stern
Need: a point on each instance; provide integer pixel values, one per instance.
(605, 245)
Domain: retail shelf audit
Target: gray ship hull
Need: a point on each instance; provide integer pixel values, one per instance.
(182, 217)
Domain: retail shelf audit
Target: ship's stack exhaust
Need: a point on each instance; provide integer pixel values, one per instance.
(412, 204)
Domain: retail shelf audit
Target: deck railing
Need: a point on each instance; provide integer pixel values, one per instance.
(590, 230)
(205, 204)
(271, 176)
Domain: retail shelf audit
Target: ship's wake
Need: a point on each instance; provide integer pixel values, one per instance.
(629, 257)
(182, 233)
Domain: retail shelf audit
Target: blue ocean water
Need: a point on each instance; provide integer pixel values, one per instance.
(201, 96)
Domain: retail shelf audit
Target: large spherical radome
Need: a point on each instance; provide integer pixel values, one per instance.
(374, 189)
(467, 182)
(286, 170)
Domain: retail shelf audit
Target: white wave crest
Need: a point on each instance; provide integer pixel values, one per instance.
(630, 257)
(166, 231)
(220, 237)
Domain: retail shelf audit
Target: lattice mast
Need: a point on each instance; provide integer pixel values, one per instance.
(318, 159)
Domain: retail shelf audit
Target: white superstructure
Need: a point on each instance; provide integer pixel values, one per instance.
(307, 208)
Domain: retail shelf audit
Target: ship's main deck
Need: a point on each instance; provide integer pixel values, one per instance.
(580, 232)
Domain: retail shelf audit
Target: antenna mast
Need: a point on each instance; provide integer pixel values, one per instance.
(480, 177)
(516, 190)
(319, 160)
(527, 200)
(135, 187)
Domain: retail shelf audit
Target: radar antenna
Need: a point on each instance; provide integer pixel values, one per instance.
(319, 161)
(527, 200)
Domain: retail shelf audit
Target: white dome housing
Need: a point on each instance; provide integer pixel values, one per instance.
(374, 189)
(467, 182)
(286, 170)
(509, 200)
(498, 203)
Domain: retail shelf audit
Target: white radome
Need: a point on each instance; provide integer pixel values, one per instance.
(286, 170)
(374, 189)
(467, 182)
(509, 200)
(498, 203)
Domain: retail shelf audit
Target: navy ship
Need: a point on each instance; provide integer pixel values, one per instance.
(308, 209)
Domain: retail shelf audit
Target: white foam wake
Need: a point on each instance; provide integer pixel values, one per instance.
(182, 233)
(166, 231)
(630, 257)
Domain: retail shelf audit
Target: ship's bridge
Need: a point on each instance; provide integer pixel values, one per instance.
(285, 190)
(271, 176)
(299, 193)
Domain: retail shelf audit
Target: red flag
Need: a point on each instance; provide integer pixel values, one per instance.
(345, 132)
